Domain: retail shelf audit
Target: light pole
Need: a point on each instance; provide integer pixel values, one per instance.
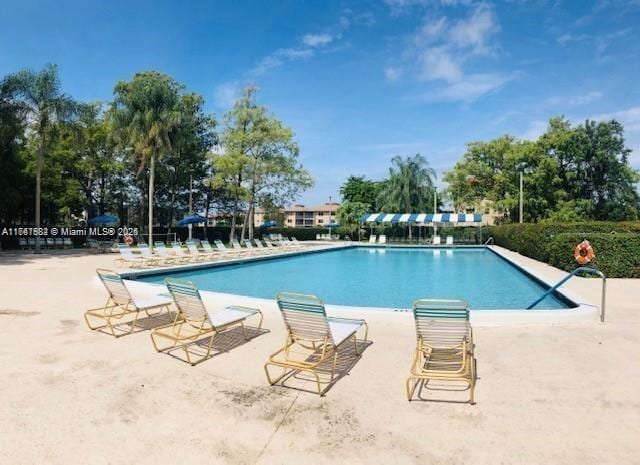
(190, 226)
(521, 199)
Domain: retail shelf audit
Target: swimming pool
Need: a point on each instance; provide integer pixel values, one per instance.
(380, 277)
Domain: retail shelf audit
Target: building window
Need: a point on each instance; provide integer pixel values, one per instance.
(320, 221)
(289, 220)
(320, 213)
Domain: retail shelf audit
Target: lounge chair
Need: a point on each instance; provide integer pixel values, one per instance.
(164, 254)
(436, 240)
(312, 338)
(121, 304)
(449, 240)
(194, 321)
(238, 248)
(295, 241)
(179, 252)
(260, 246)
(67, 242)
(223, 249)
(382, 239)
(147, 254)
(22, 242)
(444, 350)
(372, 239)
(255, 250)
(270, 245)
(128, 259)
(206, 246)
(195, 253)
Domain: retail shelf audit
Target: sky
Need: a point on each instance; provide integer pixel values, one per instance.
(361, 81)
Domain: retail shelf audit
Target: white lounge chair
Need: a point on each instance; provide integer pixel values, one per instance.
(449, 240)
(128, 259)
(223, 249)
(152, 260)
(382, 239)
(163, 253)
(436, 240)
(372, 239)
(192, 246)
(179, 252)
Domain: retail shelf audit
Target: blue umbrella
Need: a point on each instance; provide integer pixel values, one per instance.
(333, 225)
(104, 219)
(191, 220)
(269, 224)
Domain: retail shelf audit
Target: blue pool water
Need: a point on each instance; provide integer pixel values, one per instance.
(376, 277)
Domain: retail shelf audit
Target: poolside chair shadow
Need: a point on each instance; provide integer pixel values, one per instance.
(141, 324)
(347, 359)
(217, 344)
(432, 387)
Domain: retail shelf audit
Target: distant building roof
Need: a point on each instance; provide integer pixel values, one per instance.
(325, 207)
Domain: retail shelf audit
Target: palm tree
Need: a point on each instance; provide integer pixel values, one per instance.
(410, 186)
(146, 112)
(41, 98)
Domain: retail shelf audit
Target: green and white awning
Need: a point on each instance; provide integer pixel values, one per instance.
(423, 218)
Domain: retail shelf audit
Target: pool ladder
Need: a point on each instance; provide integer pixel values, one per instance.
(490, 240)
(571, 275)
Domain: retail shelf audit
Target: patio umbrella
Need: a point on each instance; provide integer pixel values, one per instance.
(333, 225)
(104, 219)
(191, 220)
(269, 224)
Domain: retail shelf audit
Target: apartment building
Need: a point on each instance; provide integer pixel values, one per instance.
(299, 216)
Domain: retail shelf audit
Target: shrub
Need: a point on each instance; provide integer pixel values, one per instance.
(616, 244)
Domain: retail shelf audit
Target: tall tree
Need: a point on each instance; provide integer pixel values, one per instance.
(410, 186)
(41, 97)
(146, 110)
(261, 158)
(361, 189)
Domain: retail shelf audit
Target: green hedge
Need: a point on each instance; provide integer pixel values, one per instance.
(616, 244)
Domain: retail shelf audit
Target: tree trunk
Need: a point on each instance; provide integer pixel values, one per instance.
(39, 165)
(152, 173)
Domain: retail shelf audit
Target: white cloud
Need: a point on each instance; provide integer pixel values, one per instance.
(475, 31)
(575, 100)
(535, 130)
(317, 40)
(443, 47)
(630, 118)
(225, 94)
(469, 88)
(392, 74)
(281, 56)
(438, 63)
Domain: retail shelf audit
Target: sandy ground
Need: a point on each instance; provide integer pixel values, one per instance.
(545, 394)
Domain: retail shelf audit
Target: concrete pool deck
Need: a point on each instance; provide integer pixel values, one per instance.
(546, 394)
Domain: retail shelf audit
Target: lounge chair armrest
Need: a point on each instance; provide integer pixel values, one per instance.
(242, 308)
(347, 320)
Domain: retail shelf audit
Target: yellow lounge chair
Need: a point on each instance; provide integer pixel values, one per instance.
(194, 321)
(444, 350)
(121, 304)
(312, 338)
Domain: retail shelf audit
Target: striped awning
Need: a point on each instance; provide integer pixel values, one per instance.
(423, 218)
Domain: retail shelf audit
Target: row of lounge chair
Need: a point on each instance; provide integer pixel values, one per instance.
(45, 242)
(197, 252)
(382, 239)
(315, 342)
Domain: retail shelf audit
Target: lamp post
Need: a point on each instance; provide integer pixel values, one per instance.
(521, 200)
(190, 226)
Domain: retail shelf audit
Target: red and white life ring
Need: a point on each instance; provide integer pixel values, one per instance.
(583, 252)
(128, 239)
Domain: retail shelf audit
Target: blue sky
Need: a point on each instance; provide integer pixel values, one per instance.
(359, 82)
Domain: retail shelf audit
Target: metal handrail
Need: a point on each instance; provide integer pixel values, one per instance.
(489, 240)
(571, 275)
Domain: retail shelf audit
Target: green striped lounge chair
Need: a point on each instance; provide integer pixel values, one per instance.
(444, 349)
(313, 339)
(121, 306)
(147, 254)
(162, 251)
(195, 322)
